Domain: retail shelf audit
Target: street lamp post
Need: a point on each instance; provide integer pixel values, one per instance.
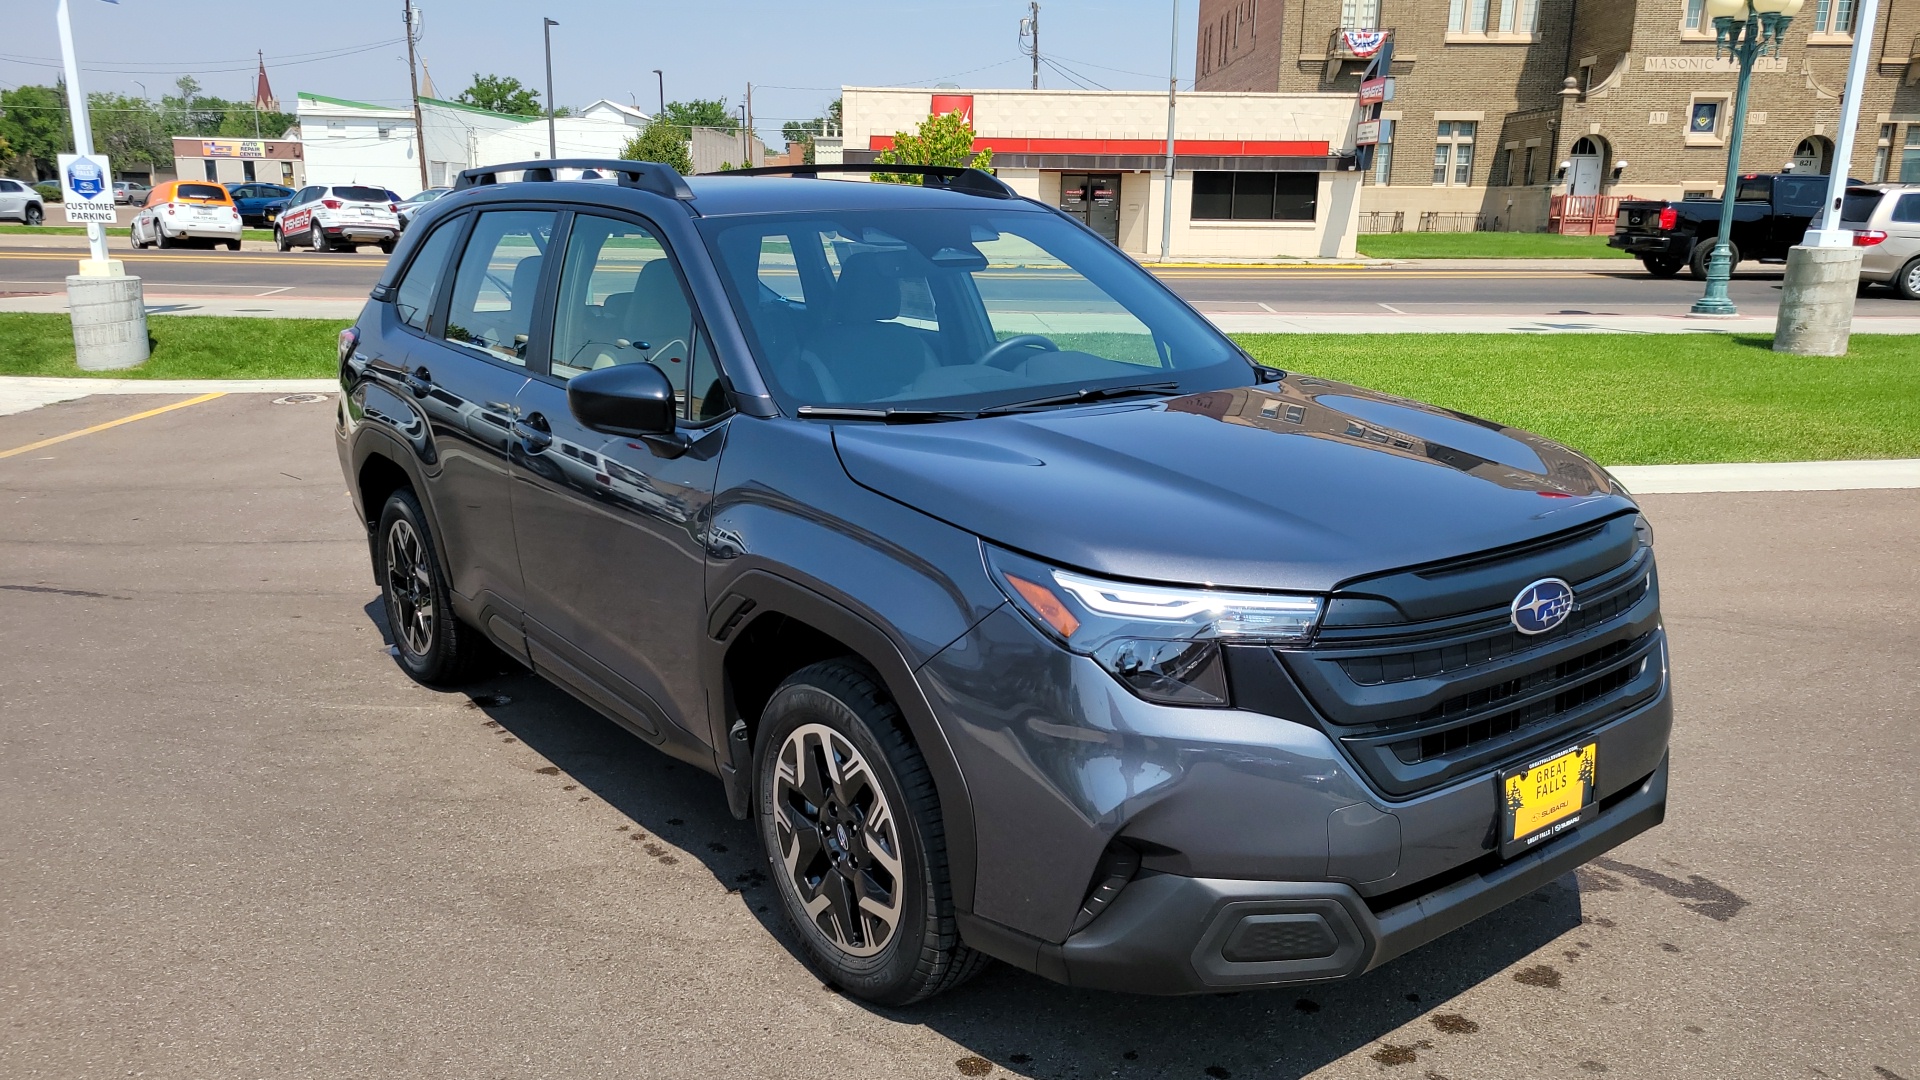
(662, 78)
(1745, 30)
(553, 142)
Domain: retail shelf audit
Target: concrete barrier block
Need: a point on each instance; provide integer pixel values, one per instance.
(1816, 301)
(109, 322)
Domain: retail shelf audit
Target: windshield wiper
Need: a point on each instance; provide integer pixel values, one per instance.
(885, 416)
(1091, 393)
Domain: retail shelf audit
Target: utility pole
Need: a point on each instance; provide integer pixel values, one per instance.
(1173, 87)
(746, 146)
(553, 140)
(657, 74)
(413, 83)
(1030, 38)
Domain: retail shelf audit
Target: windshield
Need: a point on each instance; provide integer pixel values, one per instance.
(954, 309)
(361, 194)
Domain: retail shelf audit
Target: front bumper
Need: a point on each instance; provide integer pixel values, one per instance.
(1236, 815)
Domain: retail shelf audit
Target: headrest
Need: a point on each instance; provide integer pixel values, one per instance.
(869, 288)
(526, 279)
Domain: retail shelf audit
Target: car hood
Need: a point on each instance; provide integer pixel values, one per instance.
(1297, 485)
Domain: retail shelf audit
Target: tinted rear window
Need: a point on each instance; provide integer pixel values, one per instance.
(1859, 205)
(201, 191)
(361, 194)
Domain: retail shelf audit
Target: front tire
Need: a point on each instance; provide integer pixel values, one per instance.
(430, 642)
(853, 838)
(1907, 281)
(280, 240)
(34, 215)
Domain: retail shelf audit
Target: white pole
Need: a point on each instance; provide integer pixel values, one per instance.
(1173, 86)
(1828, 232)
(82, 130)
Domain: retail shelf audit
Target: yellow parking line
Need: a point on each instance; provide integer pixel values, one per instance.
(112, 424)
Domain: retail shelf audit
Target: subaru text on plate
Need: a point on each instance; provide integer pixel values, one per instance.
(1022, 612)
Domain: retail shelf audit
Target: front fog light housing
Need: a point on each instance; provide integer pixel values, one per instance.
(1162, 642)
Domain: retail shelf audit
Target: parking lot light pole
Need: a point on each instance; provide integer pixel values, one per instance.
(553, 142)
(1745, 30)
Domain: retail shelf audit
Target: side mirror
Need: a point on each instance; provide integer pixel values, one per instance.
(634, 400)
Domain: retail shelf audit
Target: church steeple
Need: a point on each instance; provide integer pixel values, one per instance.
(263, 98)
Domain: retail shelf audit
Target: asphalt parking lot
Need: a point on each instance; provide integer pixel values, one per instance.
(240, 843)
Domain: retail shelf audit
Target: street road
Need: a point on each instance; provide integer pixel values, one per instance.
(239, 842)
(1366, 292)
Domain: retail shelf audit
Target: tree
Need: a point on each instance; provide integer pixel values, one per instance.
(946, 139)
(700, 112)
(803, 132)
(130, 131)
(662, 141)
(33, 121)
(502, 94)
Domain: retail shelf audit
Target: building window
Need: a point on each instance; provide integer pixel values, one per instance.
(1453, 154)
(1832, 17)
(1882, 153)
(246, 171)
(1527, 169)
(1502, 170)
(1706, 120)
(1255, 196)
(1383, 155)
(1696, 14)
(210, 169)
(1910, 156)
(1492, 16)
(1359, 14)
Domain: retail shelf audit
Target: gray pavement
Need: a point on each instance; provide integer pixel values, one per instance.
(240, 843)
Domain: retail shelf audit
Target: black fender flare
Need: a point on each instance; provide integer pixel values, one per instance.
(370, 440)
(772, 594)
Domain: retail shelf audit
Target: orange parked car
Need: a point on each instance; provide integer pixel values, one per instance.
(180, 212)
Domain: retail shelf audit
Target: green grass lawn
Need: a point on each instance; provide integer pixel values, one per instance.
(1624, 399)
(1642, 399)
(184, 347)
(81, 230)
(1486, 245)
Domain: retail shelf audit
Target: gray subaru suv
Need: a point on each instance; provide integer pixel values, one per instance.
(1025, 614)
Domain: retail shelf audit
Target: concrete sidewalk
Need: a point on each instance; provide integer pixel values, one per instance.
(22, 393)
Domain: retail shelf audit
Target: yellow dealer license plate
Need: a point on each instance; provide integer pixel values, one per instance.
(1546, 798)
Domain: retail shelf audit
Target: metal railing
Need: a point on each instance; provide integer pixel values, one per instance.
(1582, 215)
(1452, 221)
(1383, 221)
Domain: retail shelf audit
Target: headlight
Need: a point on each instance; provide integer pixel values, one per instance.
(1160, 641)
(1642, 531)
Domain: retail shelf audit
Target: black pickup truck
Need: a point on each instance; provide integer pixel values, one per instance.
(1771, 213)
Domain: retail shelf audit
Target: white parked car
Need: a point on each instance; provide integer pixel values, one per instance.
(19, 202)
(338, 217)
(182, 212)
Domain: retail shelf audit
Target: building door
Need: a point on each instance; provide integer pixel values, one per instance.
(1583, 173)
(1812, 156)
(1095, 199)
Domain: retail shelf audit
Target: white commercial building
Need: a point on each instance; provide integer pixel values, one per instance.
(1255, 175)
(574, 137)
(353, 142)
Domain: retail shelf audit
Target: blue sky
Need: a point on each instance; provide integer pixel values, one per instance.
(794, 54)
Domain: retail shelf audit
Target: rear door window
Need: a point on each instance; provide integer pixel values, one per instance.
(497, 282)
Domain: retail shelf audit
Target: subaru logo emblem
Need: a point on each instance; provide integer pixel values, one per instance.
(1542, 606)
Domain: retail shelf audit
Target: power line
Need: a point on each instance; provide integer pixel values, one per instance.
(127, 69)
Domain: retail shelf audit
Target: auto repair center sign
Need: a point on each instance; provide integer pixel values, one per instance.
(85, 188)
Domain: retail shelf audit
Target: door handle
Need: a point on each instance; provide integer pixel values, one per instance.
(419, 380)
(533, 433)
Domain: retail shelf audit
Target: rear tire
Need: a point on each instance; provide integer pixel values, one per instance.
(233, 245)
(1703, 254)
(430, 641)
(1907, 281)
(160, 237)
(318, 236)
(851, 829)
(1662, 268)
(386, 247)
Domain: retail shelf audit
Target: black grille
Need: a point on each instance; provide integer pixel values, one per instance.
(1424, 679)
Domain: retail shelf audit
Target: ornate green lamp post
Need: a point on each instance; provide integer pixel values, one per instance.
(1745, 30)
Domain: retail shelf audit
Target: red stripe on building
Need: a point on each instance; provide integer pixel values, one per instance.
(1210, 147)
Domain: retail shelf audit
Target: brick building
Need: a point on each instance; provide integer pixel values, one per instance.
(1493, 96)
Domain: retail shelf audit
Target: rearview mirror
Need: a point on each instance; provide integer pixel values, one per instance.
(634, 400)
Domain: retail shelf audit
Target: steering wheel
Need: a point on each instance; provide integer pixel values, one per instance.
(1001, 355)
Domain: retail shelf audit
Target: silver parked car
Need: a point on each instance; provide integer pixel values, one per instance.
(19, 202)
(1885, 219)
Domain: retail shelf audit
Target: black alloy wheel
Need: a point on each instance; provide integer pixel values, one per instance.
(851, 830)
(430, 642)
(1698, 264)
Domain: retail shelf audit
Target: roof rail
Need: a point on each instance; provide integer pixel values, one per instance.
(644, 175)
(965, 181)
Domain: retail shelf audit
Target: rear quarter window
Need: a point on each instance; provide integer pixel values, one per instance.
(1907, 211)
